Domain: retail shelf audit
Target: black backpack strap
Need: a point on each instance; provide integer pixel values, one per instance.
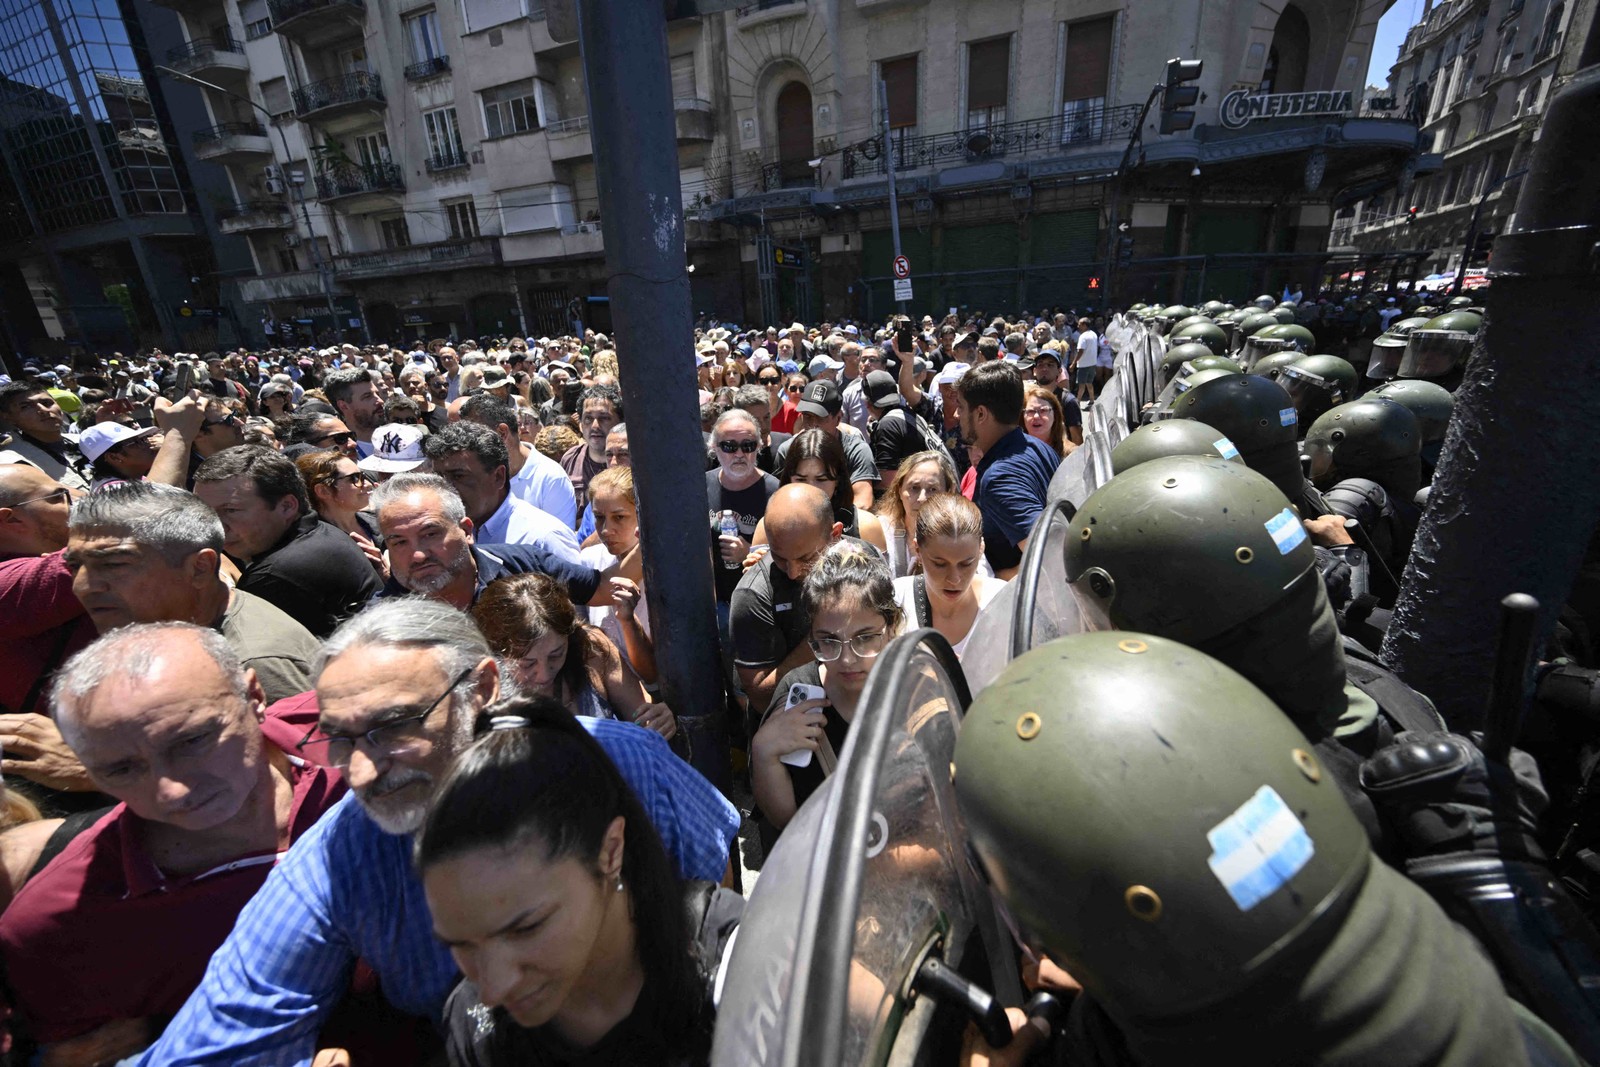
(919, 597)
(1408, 709)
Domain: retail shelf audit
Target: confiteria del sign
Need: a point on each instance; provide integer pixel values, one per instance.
(1241, 107)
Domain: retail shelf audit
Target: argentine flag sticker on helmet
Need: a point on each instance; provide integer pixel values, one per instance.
(1287, 416)
(1225, 448)
(1286, 531)
(1258, 848)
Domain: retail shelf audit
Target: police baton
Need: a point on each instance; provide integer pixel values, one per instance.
(1508, 698)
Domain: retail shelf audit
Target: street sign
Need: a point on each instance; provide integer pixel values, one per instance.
(902, 267)
(788, 257)
(902, 288)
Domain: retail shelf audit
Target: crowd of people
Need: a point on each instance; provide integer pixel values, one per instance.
(332, 722)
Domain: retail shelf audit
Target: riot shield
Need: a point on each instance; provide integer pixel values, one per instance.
(1072, 477)
(1044, 606)
(869, 881)
(989, 641)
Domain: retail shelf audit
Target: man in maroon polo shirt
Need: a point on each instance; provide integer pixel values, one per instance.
(109, 934)
(41, 622)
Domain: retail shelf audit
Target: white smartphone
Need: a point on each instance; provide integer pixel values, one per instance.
(799, 693)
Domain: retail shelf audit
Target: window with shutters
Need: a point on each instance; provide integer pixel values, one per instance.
(683, 83)
(463, 219)
(422, 36)
(256, 18)
(287, 263)
(988, 81)
(509, 109)
(900, 79)
(395, 232)
(1085, 80)
(275, 97)
(372, 149)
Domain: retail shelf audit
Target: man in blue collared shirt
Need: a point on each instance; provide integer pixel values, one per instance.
(1014, 474)
(399, 688)
(474, 460)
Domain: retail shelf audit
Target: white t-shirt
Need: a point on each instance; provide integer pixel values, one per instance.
(905, 596)
(1088, 349)
(599, 557)
(1107, 357)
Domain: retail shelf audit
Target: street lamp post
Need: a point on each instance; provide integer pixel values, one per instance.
(1472, 228)
(297, 196)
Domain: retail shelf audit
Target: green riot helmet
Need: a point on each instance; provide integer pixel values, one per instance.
(1457, 302)
(1191, 320)
(1259, 418)
(1317, 383)
(1206, 332)
(1214, 308)
(1217, 363)
(1401, 327)
(1298, 336)
(1177, 356)
(1216, 850)
(1372, 438)
(1172, 437)
(1431, 403)
(1187, 547)
(1139, 306)
(1197, 376)
(1265, 302)
(1427, 311)
(1171, 316)
(1207, 552)
(1283, 314)
(1387, 351)
(1439, 346)
(1272, 364)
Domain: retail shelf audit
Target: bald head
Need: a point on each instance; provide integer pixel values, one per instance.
(800, 527)
(31, 521)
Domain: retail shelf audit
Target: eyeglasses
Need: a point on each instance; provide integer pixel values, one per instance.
(61, 495)
(343, 437)
(354, 478)
(397, 737)
(732, 447)
(227, 420)
(862, 646)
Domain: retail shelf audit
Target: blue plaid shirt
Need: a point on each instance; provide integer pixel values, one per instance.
(347, 890)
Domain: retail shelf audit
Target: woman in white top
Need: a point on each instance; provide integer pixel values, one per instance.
(950, 591)
(919, 477)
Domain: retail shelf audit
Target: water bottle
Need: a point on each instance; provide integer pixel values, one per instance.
(728, 526)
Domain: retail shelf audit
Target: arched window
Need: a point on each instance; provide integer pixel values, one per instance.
(1289, 54)
(795, 135)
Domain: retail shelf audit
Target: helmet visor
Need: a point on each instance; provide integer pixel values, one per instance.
(1319, 452)
(1386, 354)
(1304, 386)
(1434, 353)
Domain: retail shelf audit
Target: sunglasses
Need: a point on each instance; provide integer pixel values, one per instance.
(769, 381)
(733, 447)
(227, 420)
(795, 389)
(343, 437)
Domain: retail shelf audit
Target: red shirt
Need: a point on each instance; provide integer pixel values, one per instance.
(787, 416)
(102, 934)
(41, 624)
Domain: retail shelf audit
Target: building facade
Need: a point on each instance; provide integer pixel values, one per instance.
(1476, 76)
(105, 237)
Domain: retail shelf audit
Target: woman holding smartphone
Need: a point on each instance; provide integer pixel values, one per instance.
(850, 600)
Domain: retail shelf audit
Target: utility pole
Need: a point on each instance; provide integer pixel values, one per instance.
(1472, 230)
(888, 166)
(1514, 502)
(296, 196)
(641, 216)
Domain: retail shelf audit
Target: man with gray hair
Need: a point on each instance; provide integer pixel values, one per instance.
(476, 463)
(143, 552)
(174, 727)
(433, 550)
(400, 688)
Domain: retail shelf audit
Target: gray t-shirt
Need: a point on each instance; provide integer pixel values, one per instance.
(857, 454)
(272, 644)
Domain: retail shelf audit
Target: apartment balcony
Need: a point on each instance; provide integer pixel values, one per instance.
(361, 187)
(694, 118)
(232, 142)
(349, 97)
(569, 138)
(292, 286)
(187, 6)
(209, 58)
(394, 262)
(443, 162)
(435, 67)
(314, 22)
(762, 12)
(255, 216)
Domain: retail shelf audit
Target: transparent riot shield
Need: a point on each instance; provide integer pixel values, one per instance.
(1072, 477)
(989, 641)
(1044, 606)
(868, 882)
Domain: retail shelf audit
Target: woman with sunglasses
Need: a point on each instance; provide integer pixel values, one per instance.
(340, 491)
(738, 490)
(787, 416)
(851, 603)
(547, 881)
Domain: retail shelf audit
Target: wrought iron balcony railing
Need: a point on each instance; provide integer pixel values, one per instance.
(352, 179)
(1007, 140)
(199, 49)
(284, 10)
(213, 134)
(428, 68)
(449, 160)
(252, 207)
(352, 88)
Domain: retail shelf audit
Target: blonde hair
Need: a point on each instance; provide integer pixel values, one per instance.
(614, 480)
(949, 515)
(891, 508)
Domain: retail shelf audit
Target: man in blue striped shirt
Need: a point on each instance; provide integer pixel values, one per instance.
(399, 688)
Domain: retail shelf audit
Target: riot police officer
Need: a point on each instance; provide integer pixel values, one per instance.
(1432, 405)
(1316, 383)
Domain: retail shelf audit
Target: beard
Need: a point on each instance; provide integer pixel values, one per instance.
(394, 816)
(429, 584)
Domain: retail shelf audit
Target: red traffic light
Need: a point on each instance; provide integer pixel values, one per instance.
(1094, 283)
(1411, 215)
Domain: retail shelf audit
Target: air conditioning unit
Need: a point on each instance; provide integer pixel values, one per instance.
(588, 227)
(274, 186)
(292, 240)
(271, 173)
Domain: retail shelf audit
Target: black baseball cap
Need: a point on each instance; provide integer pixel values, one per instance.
(821, 398)
(881, 390)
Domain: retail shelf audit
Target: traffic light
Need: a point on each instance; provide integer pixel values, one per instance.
(1094, 283)
(1124, 251)
(1411, 216)
(1178, 95)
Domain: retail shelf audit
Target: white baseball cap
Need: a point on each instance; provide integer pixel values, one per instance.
(951, 374)
(397, 448)
(102, 437)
